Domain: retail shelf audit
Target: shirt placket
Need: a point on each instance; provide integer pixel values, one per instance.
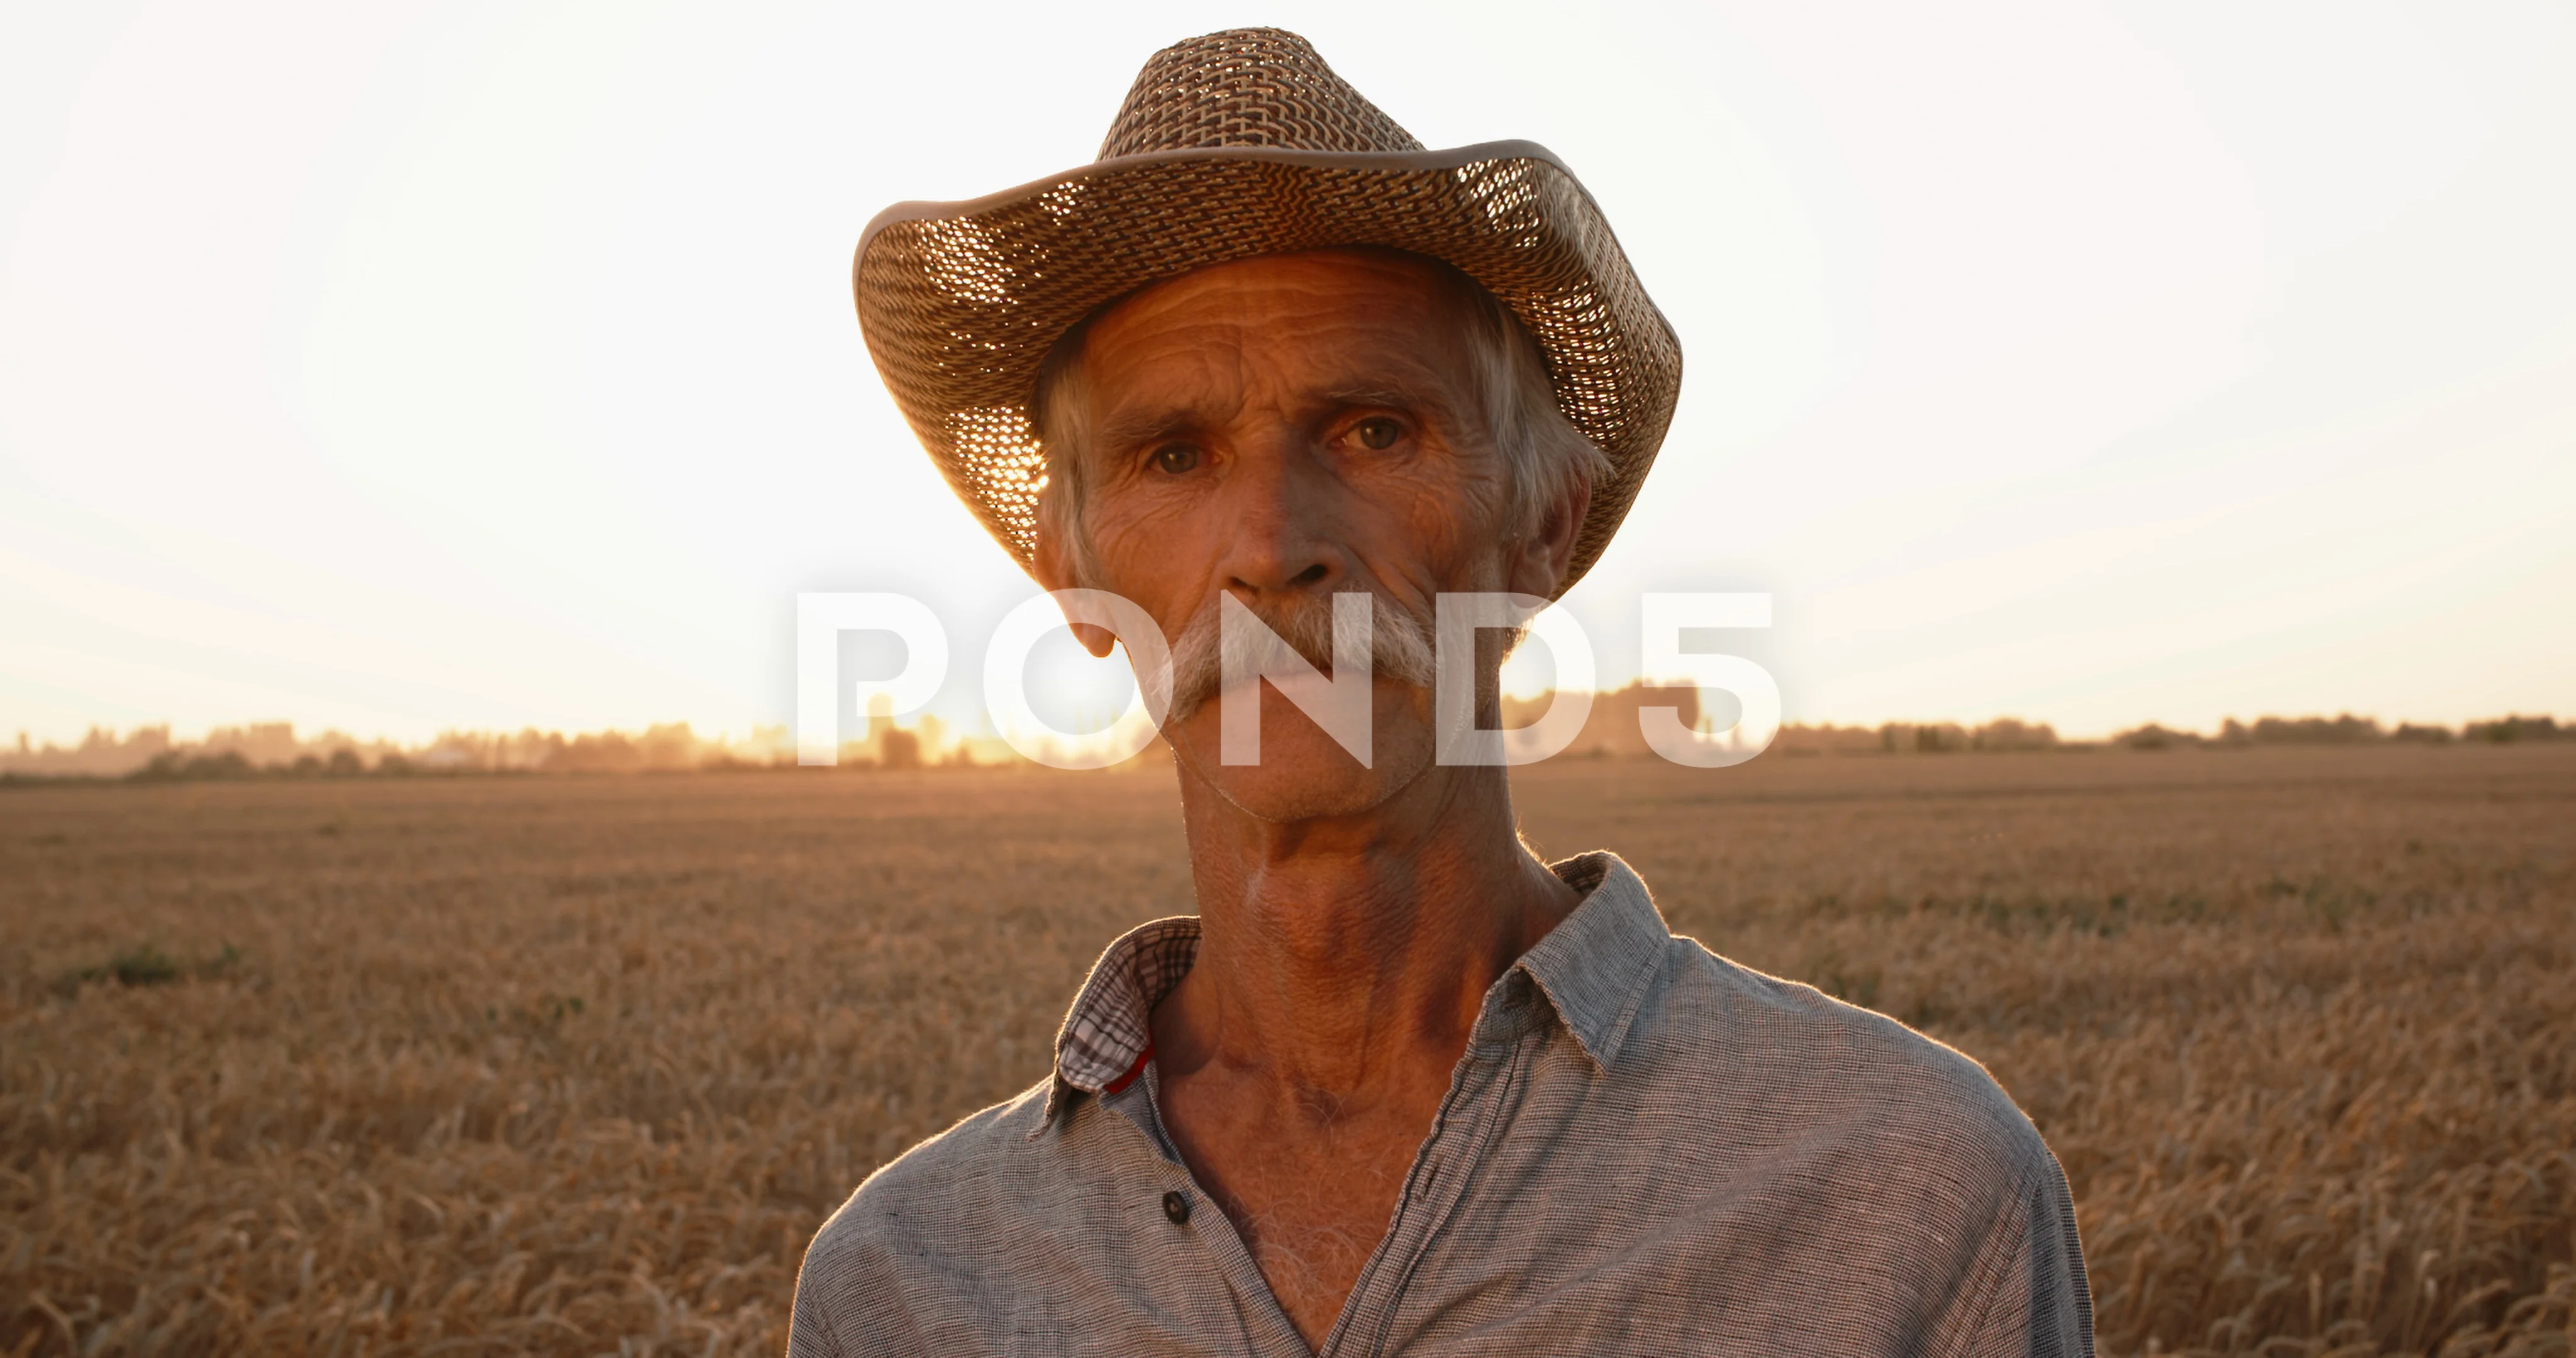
(1444, 1169)
(1201, 1234)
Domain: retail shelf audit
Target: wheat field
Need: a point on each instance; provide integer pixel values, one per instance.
(576, 1065)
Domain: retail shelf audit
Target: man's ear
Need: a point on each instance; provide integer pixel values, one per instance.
(1054, 572)
(1541, 559)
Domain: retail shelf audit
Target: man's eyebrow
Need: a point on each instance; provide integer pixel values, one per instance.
(1132, 428)
(1424, 399)
(1396, 398)
(1145, 425)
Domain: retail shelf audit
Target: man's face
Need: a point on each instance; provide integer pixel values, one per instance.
(1284, 428)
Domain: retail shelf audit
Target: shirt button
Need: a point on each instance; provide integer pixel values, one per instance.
(1176, 1205)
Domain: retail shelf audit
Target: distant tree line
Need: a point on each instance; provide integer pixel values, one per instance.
(2346, 729)
(271, 750)
(2012, 735)
(2002, 735)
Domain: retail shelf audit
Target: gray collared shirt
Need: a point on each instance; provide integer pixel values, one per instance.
(1646, 1149)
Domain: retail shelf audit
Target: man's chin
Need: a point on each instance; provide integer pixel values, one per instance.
(1303, 774)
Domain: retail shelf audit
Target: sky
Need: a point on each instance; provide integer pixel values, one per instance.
(401, 367)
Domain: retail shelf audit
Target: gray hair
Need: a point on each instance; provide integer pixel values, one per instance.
(1544, 455)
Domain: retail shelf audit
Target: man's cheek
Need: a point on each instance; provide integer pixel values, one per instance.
(1437, 512)
(1154, 539)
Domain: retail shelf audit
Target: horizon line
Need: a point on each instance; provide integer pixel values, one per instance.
(926, 738)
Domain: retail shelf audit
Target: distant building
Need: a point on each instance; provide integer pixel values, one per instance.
(1612, 729)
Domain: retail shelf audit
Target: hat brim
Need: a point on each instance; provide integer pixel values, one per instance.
(960, 302)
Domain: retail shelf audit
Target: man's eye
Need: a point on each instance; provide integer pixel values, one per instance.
(1378, 435)
(1176, 458)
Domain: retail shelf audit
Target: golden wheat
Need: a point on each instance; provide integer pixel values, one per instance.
(571, 1065)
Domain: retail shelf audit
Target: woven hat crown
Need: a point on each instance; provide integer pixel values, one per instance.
(1227, 147)
(1247, 87)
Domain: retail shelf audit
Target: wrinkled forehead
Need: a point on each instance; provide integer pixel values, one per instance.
(1285, 326)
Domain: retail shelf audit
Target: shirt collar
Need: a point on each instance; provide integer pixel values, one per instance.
(1110, 1025)
(1597, 965)
(1594, 967)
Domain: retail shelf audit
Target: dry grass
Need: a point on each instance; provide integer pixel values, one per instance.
(577, 1065)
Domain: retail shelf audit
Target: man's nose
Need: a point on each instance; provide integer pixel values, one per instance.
(1284, 538)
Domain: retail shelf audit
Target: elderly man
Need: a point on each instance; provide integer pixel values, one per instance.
(1400, 1087)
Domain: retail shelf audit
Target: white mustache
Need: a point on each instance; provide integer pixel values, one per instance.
(1400, 645)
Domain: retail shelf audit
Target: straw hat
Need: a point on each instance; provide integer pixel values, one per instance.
(1237, 144)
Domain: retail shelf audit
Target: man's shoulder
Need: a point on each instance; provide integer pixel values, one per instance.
(1818, 1066)
(935, 1184)
(984, 1229)
(917, 1217)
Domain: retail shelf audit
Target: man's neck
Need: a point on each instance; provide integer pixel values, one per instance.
(1346, 958)
(1342, 963)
